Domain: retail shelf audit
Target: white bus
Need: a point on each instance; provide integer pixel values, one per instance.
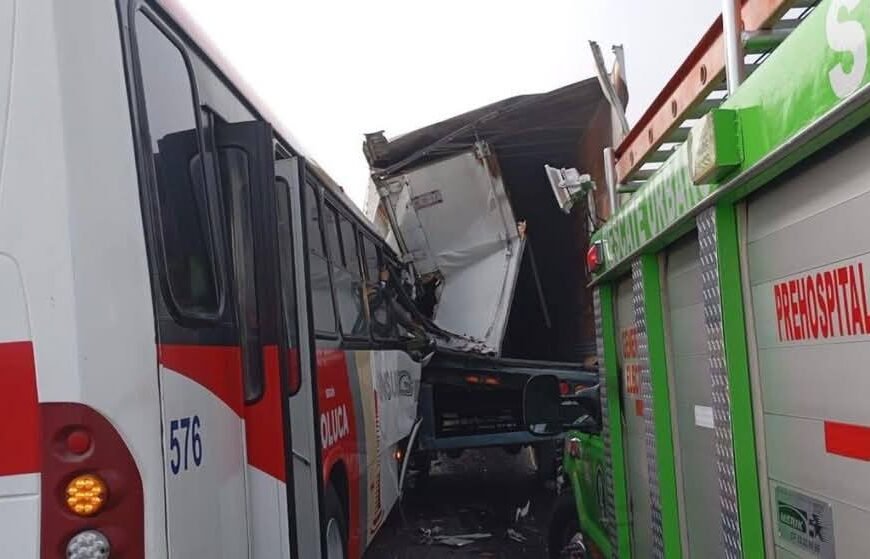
(200, 355)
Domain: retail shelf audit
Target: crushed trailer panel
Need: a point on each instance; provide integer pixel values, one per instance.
(550, 317)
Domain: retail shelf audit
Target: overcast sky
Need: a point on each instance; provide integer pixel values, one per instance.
(335, 69)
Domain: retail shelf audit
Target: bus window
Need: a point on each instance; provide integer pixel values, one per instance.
(378, 292)
(349, 247)
(288, 281)
(330, 231)
(321, 295)
(347, 280)
(185, 227)
(370, 260)
(236, 182)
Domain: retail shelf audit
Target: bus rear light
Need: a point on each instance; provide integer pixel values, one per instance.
(90, 544)
(78, 441)
(86, 494)
(92, 491)
(564, 388)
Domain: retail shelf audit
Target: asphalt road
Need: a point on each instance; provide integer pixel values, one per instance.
(478, 493)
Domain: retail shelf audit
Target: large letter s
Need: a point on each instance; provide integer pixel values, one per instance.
(846, 36)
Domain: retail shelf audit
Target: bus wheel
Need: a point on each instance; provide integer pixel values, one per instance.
(336, 531)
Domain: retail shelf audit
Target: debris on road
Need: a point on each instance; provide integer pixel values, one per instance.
(458, 499)
(516, 536)
(455, 540)
(522, 512)
(575, 549)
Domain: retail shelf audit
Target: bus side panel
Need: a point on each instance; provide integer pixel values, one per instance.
(70, 221)
(396, 380)
(809, 271)
(19, 468)
(114, 361)
(19, 477)
(339, 424)
(367, 403)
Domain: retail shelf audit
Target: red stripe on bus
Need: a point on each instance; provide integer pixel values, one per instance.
(19, 436)
(218, 369)
(844, 439)
(264, 426)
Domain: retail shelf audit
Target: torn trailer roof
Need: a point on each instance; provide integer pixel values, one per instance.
(458, 190)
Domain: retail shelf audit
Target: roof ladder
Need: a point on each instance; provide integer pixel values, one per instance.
(735, 45)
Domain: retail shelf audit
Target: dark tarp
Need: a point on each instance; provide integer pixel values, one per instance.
(550, 124)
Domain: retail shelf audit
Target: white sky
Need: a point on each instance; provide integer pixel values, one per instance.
(335, 69)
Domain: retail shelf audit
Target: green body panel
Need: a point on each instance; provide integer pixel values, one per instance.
(791, 90)
(740, 390)
(585, 476)
(795, 87)
(657, 356)
(660, 203)
(614, 414)
(720, 149)
(811, 80)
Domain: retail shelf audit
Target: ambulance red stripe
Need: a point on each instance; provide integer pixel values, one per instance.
(849, 440)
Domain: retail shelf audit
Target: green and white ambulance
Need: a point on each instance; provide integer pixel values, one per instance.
(731, 301)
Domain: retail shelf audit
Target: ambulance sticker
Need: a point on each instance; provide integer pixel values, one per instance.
(805, 522)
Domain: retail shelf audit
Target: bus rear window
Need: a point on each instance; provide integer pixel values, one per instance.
(185, 228)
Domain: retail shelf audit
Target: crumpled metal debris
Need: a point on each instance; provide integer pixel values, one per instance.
(433, 536)
(575, 549)
(516, 536)
(522, 512)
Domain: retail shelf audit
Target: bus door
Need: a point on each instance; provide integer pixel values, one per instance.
(308, 294)
(692, 389)
(223, 326)
(203, 375)
(634, 426)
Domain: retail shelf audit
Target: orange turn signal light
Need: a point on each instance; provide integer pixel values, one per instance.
(86, 494)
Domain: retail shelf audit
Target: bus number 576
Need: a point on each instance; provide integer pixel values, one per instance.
(185, 429)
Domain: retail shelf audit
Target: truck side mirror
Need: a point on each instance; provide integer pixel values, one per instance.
(542, 405)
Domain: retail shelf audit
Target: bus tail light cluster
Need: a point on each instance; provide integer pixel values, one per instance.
(92, 498)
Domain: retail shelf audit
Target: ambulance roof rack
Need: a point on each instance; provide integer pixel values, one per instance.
(746, 33)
